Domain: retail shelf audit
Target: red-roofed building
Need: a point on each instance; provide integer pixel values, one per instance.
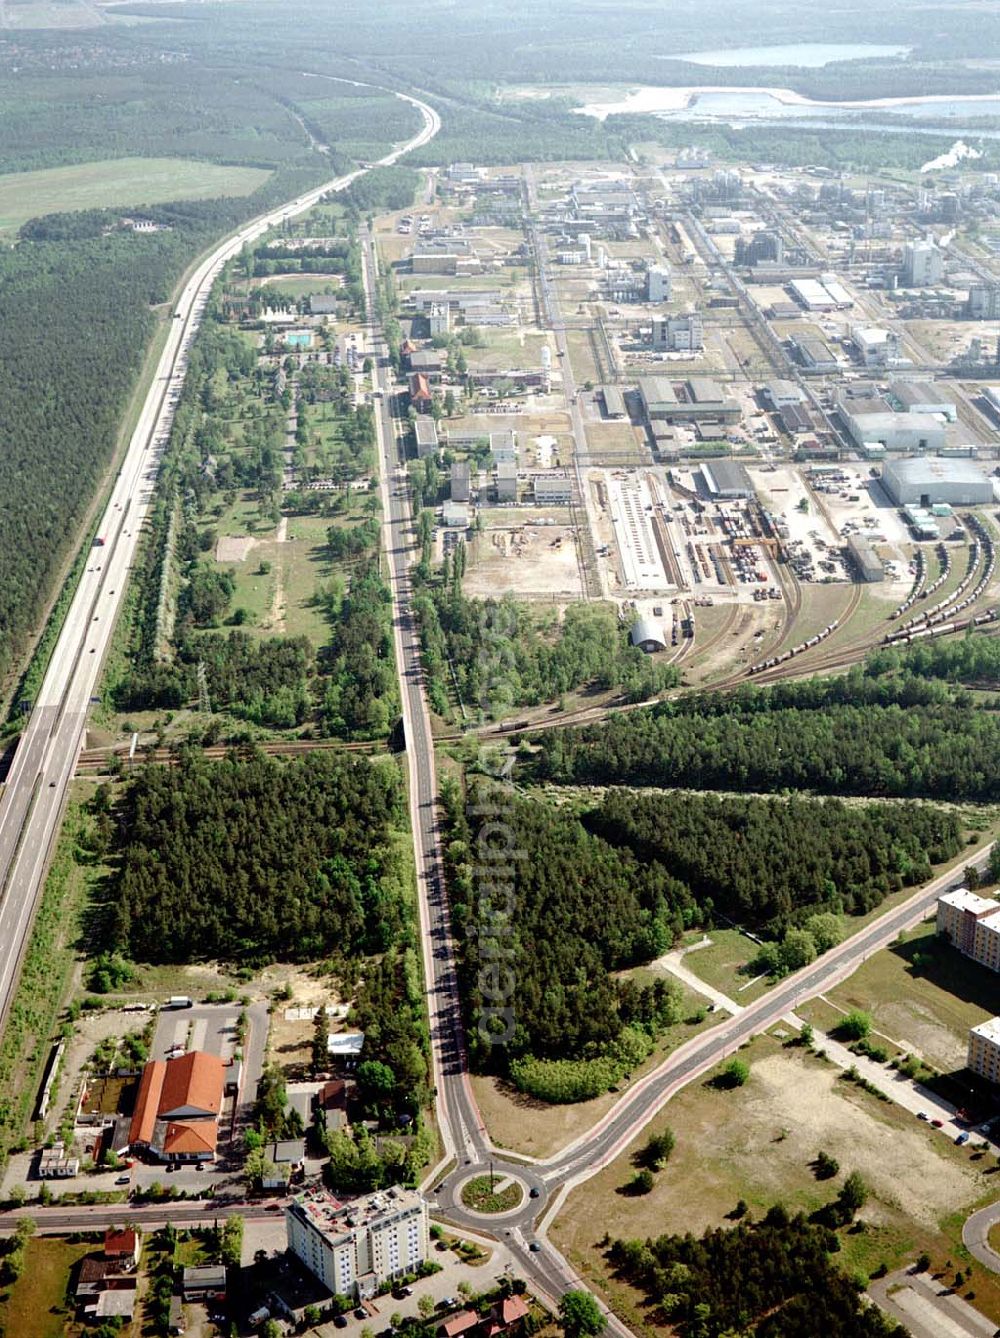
(178, 1106)
(121, 1244)
(458, 1324)
(420, 393)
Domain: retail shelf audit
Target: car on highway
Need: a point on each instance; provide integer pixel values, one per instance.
(360, 1313)
(937, 1124)
(340, 1321)
(534, 1192)
(534, 1247)
(921, 1115)
(963, 1138)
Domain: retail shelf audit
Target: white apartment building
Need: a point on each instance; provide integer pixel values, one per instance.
(356, 1247)
(984, 1049)
(972, 923)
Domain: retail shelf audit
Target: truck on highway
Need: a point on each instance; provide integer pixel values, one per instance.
(179, 1001)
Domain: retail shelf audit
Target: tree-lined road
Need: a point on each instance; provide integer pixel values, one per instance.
(34, 796)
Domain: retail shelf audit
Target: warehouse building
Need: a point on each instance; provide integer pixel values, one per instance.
(923, 397)
(896, 431)
(648, 636)
(727, 480)
(614, 402)
(923, 482)
(866, 561)
(815, 355)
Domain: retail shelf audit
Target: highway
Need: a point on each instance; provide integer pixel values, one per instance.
(34, 796)
(32, 804)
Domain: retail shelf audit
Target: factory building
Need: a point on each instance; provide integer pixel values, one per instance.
(780, 394)
(874, 346)
(815, 355)
(866, 561)
(727, 479)
(925, 481)
(923, 397)
(678, 334)
(896, 431)
(659, 283)
(983, 302)
(355, 1248)
(555, 489)
(693, 400)
(923, 264)
(984, 1050)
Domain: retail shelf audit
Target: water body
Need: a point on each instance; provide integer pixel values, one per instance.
(803, 55)
(733, 105)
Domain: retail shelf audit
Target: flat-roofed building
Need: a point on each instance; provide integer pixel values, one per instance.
(866, 561)
(923, 397)
(779, 394)
(507, 481)
(426, 434)
(354, 1248)
(984, 1050)
(727, 479)
(614, 402)
(554, 489)
(972, 924)
(923, 481)
(461, 481)
(897, 432)
(815, 355)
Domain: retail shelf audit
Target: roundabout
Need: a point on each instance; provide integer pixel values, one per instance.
(494, 1194)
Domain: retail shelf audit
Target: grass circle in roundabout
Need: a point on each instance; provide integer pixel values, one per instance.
(490, 1195)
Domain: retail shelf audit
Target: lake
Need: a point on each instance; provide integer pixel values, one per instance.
(803, 55)
(770, 104)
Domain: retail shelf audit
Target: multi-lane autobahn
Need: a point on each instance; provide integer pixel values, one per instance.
(34, 796)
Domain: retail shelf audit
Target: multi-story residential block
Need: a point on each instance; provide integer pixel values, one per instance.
(984, 1049)
(972, 923)
(355, 1247)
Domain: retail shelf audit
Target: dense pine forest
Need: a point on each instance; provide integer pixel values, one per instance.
(252, 859)
(892, 728)
(772, 1278)
(614, 885)
(498, 658)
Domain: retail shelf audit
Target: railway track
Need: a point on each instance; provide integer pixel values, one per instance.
(93, 761)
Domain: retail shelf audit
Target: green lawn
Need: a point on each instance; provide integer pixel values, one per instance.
(36, 1307)
(924, 995)
(723, 964)
(118, 183)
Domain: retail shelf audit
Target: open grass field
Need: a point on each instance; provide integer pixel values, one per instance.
(118, 183)
(723, 965)
(521, 1124)
(36, 1306)
(923, 995)
(756, 1143)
